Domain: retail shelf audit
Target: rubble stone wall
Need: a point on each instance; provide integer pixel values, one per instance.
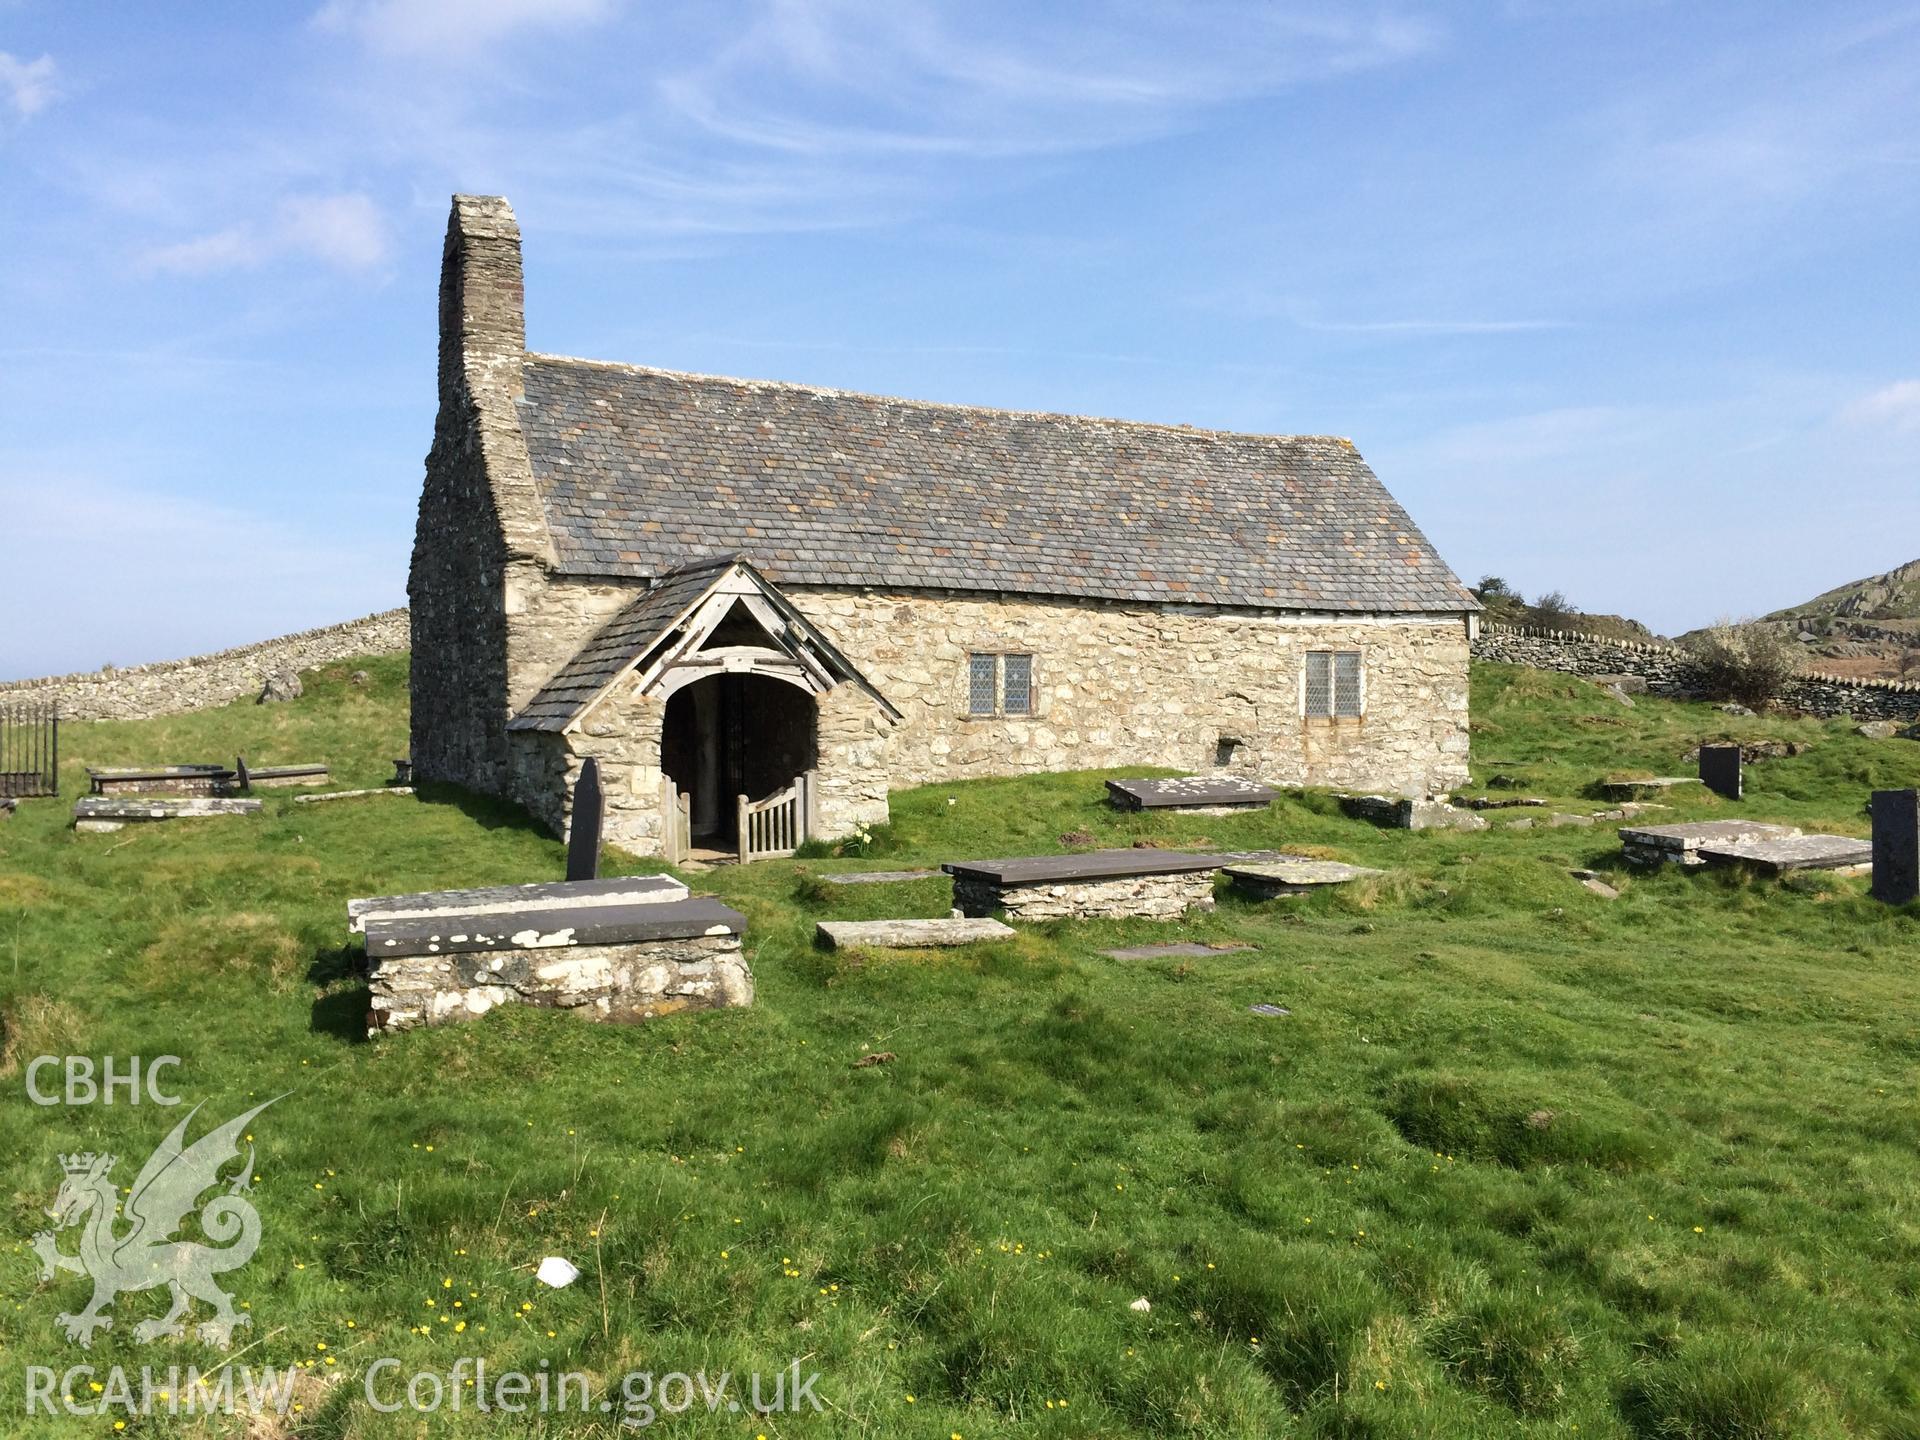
(173, 687)
(1670, 671)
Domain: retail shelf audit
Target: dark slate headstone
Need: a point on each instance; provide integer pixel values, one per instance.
(1896, 846)
(241, 779)
(583, 838)
(1720, 769)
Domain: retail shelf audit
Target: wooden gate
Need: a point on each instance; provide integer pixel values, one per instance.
(676, 820)
(772, 828)
(29, 749)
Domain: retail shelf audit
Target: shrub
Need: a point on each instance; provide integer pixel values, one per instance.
(1748, 663)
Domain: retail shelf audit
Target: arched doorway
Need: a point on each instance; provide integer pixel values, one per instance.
(730, 735)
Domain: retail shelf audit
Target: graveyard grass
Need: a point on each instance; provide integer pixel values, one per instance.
(1521, 1161)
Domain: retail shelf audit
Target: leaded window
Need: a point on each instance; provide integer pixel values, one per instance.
(1334, 684)
(982, 682)
(1346, 682)
(1000, 684)
(1016, 690)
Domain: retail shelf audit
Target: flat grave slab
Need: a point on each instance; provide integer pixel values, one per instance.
(159, 779)
(1293, 875)
(1680, 843)
(1097, 865)
(1191, 792)
(549, 929)
(909, 934)
(879, 877)
(96, 813)
(275, 776)
(321, 799)
(1179, 949)
(1637, 789)
(502, 899)
(1778, 856)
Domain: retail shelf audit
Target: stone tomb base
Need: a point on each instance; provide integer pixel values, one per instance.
(627, 949)
(1680, 844)
(1134, 897)
(1191, 795)
(602, 982)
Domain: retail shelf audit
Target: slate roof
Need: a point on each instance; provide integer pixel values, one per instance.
(642, 470)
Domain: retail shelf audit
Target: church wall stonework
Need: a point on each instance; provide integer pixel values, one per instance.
(1126, 685)
(1113, 686)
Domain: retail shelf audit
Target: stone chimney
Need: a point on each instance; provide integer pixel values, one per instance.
(483, 352)
(481, 548)
(483, 323)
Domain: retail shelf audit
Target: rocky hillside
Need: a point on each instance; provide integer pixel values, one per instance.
(1892, 596)
(1869, 629)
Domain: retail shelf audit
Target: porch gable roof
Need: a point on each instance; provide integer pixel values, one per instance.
(650, 619)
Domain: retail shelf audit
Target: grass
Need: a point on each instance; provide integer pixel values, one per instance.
(1521, 1159)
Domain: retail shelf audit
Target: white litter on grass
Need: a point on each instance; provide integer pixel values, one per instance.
(556, 1272)
(1141, 1305)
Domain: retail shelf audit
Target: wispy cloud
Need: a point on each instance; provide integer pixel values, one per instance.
(1894, 407)
(855, 78)
(29, 86)
(794, 116)
(450, 29)
(346, 232)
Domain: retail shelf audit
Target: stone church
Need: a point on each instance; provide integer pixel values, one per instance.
(763, 605)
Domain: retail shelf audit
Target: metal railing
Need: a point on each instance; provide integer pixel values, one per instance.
(29, 749)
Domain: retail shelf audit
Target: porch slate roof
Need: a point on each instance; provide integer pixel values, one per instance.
(645, 621)
(616, 645)
(641, 470)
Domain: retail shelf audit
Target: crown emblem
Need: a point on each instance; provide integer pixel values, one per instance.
(82, 1164)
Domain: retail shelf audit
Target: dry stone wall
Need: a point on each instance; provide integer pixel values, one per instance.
(1670, 671)
(173, 687)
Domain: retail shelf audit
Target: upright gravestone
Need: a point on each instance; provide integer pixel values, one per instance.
(242, 781)
(1720, 769)
(583, 837)
(1896, 846)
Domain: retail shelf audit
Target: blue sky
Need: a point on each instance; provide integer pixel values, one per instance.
(1618, 298)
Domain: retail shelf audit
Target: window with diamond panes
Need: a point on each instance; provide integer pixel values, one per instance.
(1346, 682)
(1319, 682)
(1017, 684)
(982, 682)
(1333, 684)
